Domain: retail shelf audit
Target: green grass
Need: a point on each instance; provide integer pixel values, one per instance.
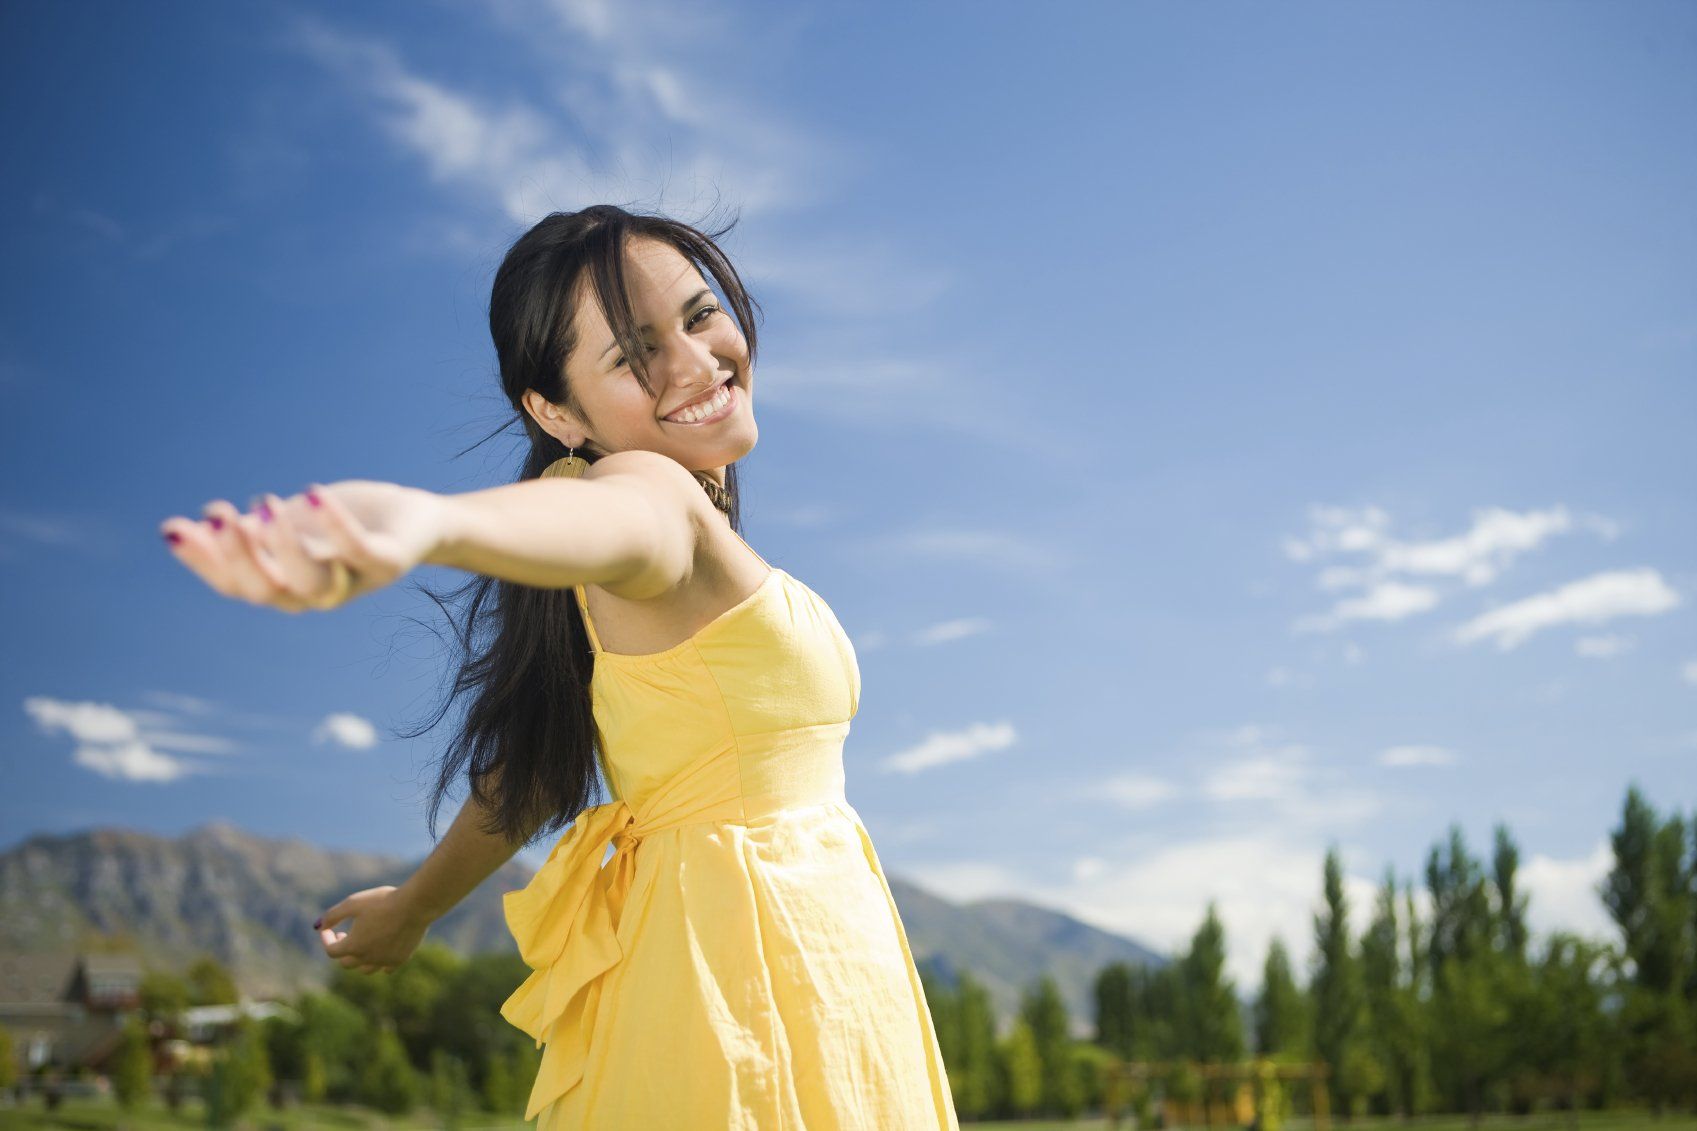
(94, 1115)
(106, 1115)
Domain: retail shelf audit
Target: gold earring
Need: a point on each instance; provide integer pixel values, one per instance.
(568, 466)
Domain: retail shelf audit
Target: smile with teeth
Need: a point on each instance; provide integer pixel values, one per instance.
(713, 408)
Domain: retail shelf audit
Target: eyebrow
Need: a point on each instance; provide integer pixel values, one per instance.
(691, 301)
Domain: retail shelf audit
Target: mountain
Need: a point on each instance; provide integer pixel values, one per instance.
(250, 901)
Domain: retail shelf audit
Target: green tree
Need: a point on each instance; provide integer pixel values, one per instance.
(1567, 1031)
(1337, 994)
(339, 1037)
(450, 1088)
(1211, 1020)
(1651, 893)
(8, 1065)
(240, 1075)
(164, 996)
(1281, 1012)
(1022, 1069)
(387, 1081)
(974, 1078)
(1112, 992)
(314, 1082)
(209, 983)
(132, 1067)
(1471, 980)
(1046, 1014)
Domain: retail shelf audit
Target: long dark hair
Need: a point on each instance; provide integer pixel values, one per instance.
(524, 653)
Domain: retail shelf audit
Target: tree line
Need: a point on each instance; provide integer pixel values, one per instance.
(1459, 1010)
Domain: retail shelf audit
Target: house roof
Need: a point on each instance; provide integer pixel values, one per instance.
(36, 979)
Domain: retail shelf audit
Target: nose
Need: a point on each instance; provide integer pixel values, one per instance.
(691, 365)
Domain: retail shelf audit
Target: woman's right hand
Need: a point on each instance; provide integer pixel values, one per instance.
(385, 930)
(379, 531)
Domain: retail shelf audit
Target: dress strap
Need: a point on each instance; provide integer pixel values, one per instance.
(588, 625)
(752, 550)
(583, 599)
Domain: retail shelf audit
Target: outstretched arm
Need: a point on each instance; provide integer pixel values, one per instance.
(630, 524)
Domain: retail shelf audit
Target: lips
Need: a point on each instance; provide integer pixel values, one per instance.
(702, 399)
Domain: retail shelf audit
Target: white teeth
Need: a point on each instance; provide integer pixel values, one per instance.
(697, 412)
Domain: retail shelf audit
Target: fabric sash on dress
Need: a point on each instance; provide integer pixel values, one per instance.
(566, 919)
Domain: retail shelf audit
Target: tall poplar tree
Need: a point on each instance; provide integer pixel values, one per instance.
(1281, 1011)
(1337, 992)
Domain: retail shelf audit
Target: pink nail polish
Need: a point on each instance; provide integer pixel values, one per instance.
(217, 522)
(173, 537)
(312, 497)
(265, 512)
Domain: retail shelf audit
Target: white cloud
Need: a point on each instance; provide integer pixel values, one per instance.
(109, 740)
(951, 630)
(1285, 784)
(1417, 756)
(1265, 882)
(940, 748)
(1591, 600)
(1386, 601)
(962, 881)
(1602, 647)
(1393, 575)
(1136, 791)
(1563, 893)
(1246, 768)
(345, 729)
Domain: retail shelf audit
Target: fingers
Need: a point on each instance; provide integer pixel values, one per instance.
(272, 557)
(347, 536)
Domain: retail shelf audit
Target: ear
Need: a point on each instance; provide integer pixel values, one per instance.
(554, 420)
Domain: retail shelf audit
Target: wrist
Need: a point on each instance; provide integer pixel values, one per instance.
(447, 545)
(415, 907)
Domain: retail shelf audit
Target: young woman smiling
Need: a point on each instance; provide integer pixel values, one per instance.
(739, 962)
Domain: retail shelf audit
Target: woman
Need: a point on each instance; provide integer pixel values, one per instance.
(739, 962)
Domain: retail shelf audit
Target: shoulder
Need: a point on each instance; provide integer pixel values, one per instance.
(655, 473)
(683, 510)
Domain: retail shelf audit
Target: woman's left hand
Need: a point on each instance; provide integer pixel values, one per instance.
(286, 553)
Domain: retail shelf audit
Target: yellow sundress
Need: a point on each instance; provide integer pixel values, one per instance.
(739, 963)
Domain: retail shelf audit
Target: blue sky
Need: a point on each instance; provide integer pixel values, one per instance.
(1224, 431)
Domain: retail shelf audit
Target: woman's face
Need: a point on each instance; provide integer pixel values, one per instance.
(696, 354)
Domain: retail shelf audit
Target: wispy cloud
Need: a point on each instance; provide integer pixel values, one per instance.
(949, 631)
(1404, 756)
(1591, 600)
(640, 108)
(1602, 647)
(115, 744)
(1137, 791)
(1395, 578)
(144, 242)
(1688, 671)
(940, 748)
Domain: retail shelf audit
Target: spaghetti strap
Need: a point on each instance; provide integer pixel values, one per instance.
(752, 550)
(588, 625)
(583, 598)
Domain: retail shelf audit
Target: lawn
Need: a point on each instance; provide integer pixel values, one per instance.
(99, 1115)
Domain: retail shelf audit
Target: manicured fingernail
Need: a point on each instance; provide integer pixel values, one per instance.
(265, 512)
(173, 537)
(312, 497)
(318, 923)
(217, 523)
